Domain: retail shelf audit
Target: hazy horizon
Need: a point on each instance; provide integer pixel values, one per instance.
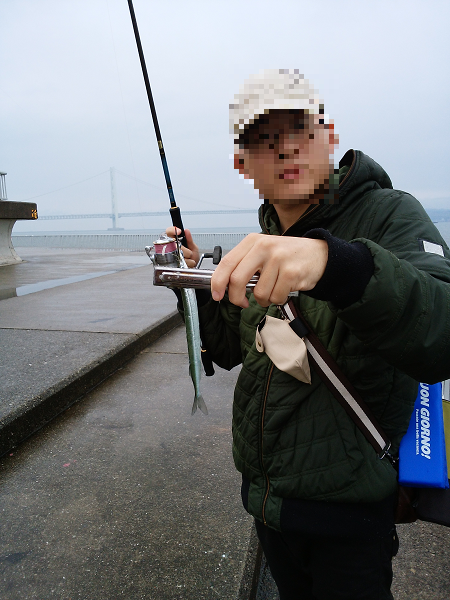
(73, 101)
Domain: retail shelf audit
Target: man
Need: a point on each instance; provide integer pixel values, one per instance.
(353, 247)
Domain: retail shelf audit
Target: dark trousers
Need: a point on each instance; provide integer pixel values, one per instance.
(317, 567)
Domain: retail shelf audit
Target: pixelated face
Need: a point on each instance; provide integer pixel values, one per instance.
(288, 154)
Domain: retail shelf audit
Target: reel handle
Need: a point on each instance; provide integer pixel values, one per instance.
(216, 255)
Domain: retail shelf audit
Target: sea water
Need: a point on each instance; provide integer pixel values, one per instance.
(444, 230)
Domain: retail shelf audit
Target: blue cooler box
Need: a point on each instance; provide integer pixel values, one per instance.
(423, 461)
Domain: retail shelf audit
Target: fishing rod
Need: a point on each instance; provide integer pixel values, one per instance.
(174, 210)
(175, 215)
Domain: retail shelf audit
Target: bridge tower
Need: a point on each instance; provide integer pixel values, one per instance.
(114, 208)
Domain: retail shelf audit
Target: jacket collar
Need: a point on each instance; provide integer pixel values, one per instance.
(357, 173)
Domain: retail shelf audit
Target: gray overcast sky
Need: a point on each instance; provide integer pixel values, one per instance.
(73, 101)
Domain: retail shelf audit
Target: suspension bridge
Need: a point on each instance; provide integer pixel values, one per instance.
(115, 215)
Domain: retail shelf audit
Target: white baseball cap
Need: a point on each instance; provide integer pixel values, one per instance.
(273, 89)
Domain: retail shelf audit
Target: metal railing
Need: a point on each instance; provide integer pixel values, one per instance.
(130, 242)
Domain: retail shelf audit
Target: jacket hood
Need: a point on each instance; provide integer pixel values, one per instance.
(363, 171)
(358, 174)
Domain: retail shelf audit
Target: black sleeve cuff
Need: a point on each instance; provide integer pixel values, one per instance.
(203, 297)
(349, 269)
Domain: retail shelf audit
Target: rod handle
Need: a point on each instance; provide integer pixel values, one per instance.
(175, 215)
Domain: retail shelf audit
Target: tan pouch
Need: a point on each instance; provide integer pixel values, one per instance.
(284, 347)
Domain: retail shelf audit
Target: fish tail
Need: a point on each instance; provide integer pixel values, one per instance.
(201, 404)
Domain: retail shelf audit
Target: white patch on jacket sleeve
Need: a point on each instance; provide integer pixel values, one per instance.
(433, 248)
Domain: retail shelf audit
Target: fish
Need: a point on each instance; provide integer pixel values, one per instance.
(193, 341)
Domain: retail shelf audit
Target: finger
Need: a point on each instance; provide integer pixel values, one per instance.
(221, 276)
(171, 231)
(280, 292)
(241, 275)
(189, 240)
(267, 283)
(176, 231)
(186, 252)
(288, 276)
(251, 263)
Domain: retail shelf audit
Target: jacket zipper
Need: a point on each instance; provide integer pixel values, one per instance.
(349, 170)
(262, 445)
(263, 413)
(266, 393)
(306, 214)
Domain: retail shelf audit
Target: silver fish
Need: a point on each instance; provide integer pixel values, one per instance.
(193, 341)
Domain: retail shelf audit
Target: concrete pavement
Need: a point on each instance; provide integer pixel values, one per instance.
(125, 503)
(125, 494)
(128, 495)
(60, 338)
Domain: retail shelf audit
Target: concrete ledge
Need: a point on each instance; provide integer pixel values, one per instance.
(8, 256)
(18, 210)
(40, 410)
(10, 212)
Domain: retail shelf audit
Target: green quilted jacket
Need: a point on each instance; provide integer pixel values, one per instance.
(293, 440)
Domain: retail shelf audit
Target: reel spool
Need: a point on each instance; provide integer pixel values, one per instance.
(164, 252)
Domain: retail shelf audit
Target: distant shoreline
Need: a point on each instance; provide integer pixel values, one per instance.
(442, 226)
(437, 216)
(139, 231)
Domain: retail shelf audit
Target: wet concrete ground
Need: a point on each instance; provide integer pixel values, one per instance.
(422, 566)
(127, 494)
(57, 342)
(47, 267)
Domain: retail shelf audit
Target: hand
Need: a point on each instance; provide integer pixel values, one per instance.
(191, 252)
(285, 264)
